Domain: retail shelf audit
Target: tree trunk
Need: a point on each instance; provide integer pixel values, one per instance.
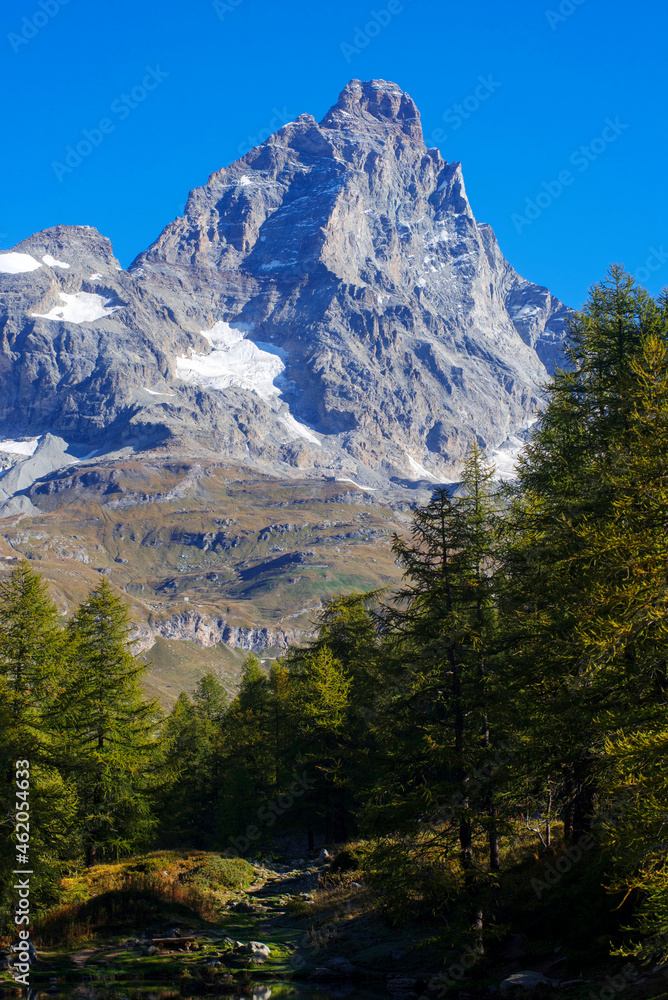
(492, 811)
(583, 807)
(579, 804)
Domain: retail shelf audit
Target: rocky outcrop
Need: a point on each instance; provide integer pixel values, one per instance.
(206, 631)
(50, 454)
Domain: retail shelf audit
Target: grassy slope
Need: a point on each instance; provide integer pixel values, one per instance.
(196, 536)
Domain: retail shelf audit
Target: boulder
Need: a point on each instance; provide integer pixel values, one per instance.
(258, 951)
(525, 980)
(340, 967)
(244, 907)
(261, 993)
(402, 986)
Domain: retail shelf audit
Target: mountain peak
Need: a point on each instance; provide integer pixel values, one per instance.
(326, 303)
(374, 105)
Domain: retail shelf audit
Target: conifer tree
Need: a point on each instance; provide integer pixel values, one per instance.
(31, 674)
(562, 487)
(350, 631)
(30, 645)
(192, 737)
(247, 762)
(444, 629)
(624, 635)
(112, 728)
(210, 698)
(320, 703)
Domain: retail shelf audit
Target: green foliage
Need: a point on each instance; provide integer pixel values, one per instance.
(346, 860)
(442, 630)
(72, 706)
(216, 872)
(111, 728)
(518, 678)
(31, 675)
(30, 649)
(211, 698)
(411, 880)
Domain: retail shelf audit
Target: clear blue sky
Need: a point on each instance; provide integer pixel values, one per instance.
(237, 66)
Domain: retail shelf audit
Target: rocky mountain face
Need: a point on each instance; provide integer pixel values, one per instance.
(327, 311)
(327, 303)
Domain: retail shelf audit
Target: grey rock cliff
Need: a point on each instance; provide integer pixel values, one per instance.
(327, 303)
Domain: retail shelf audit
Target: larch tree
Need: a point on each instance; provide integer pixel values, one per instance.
(111, 727)
(563, 487)
(441, 734)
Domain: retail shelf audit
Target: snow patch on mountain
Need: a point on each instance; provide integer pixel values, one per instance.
(421, 471)
(17, 263)
(234, 361)
(156, 392)
(504, 458)
(52, 262)
(300, 429)
(26, 447)
(369, 489)
(81, 307)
